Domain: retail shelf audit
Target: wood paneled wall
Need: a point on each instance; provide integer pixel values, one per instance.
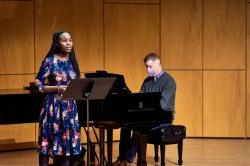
(84, 19)
(12, 133)
(224, 65)
(248, 69)
(224, 34)
(16, 43)
(202, 43)
(17, 37)
(248, 103)
(131, 31)
(132, 1)
(181, 51)
(189, 100)
(181, 34)
(16, 60)
(224, 103)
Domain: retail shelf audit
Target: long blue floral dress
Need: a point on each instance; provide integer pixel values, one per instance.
(59, 128)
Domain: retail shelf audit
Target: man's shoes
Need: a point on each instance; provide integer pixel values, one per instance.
(116, 163)
(125, 163)
(121, 163)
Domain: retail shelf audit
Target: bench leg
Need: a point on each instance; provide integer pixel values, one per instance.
(162, 147)
(156, 147)
(180, 147)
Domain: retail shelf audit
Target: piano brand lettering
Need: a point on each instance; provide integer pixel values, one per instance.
(141, 108)
(140, 105)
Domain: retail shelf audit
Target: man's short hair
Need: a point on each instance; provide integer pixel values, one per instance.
(151, 56)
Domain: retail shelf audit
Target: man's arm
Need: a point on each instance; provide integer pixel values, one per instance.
(168, 95)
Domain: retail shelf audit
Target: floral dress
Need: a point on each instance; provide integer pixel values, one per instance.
(59, 128)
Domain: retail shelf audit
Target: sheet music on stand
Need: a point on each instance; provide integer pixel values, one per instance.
(88, 89)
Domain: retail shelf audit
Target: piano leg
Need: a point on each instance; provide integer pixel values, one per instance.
(110, 145)
(141, 141)
(102, 137)
(92, 154)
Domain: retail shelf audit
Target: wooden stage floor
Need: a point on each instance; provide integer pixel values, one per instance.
(196, 152)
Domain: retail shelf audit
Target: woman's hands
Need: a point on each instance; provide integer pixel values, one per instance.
(61, 88)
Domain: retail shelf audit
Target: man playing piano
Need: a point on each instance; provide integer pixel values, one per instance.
(157, 81)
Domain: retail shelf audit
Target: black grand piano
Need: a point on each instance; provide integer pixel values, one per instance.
(121, 108)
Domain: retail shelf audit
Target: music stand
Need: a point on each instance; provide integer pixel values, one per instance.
(88, 89)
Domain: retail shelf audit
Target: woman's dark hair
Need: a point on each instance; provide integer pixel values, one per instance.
(55, 49)
(151, 56)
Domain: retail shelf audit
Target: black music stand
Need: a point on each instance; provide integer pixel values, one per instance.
(88, 89)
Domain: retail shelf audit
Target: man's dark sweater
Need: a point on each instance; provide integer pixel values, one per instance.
(165, 84)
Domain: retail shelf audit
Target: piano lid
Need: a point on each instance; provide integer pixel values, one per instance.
(119, 85)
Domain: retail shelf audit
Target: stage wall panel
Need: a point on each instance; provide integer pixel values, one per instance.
(17, 37)
(181, 34)
(224, 107)
(131, 32)
(83, 19)
(224, 34)
(189, 100)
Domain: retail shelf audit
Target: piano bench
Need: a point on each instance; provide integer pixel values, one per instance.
(172, 134)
